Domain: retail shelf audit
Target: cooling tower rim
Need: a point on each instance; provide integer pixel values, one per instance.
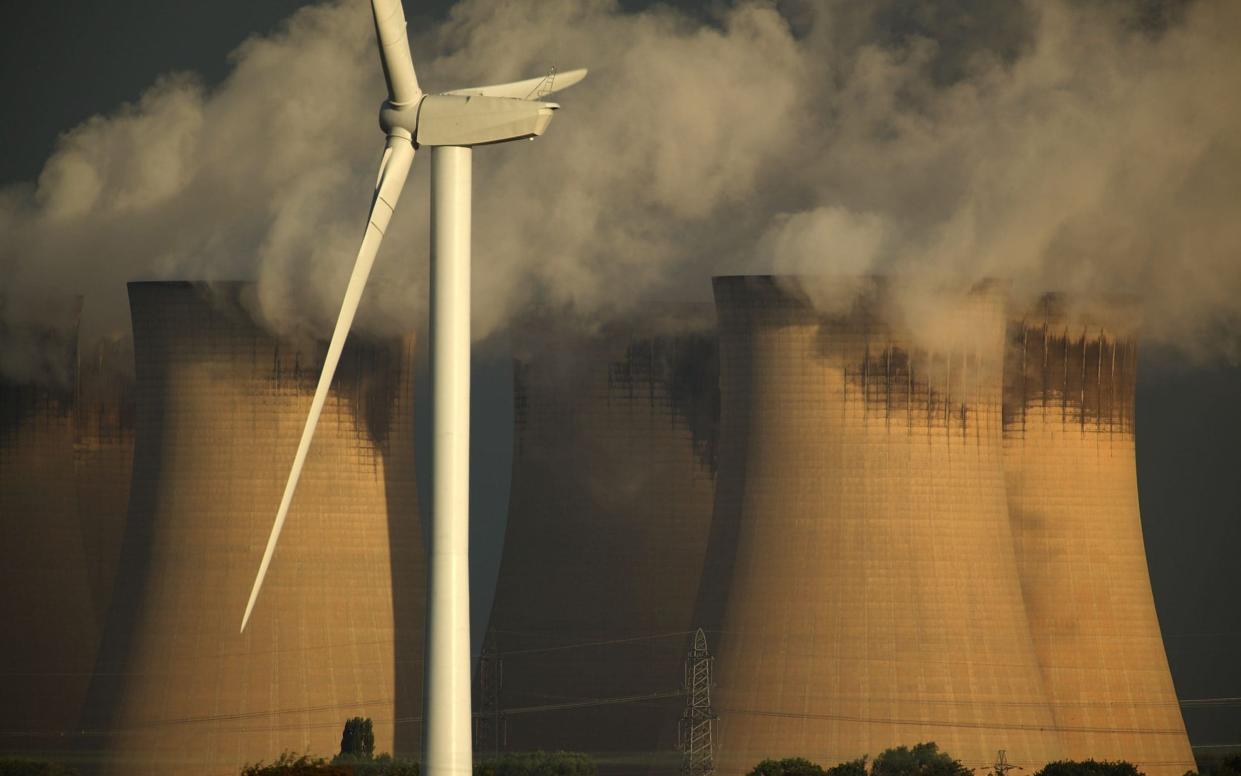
(231, 291)
(234, 300)
(1117, 314)
(240, 298)
(891, 278)
(880, 301)
(878, 282)
(238, 294)
(199, 285)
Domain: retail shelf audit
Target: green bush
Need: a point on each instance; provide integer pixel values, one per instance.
(923, 759)
(523, 764)
(383, 765)
(1089, 768)
(289, 764)
(851, 768)
(789, 766)
(537, 764)
(13, 766)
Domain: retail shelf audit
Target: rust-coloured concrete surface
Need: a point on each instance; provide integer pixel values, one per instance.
(1073, 500)
(874, 597)
(338, 629)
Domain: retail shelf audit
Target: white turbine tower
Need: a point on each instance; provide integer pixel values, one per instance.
(451, 123)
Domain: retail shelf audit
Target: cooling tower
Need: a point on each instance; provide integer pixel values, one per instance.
(50, 631)
(873, 598)
(613, 475)
(338, 630)
(1073, 500)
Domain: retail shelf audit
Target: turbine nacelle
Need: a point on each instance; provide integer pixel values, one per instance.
(466, 119)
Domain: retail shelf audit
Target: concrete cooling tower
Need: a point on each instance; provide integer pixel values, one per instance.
(50, 629)
(613, 476)
(338, 630)
(873, 599)
(1073, 500)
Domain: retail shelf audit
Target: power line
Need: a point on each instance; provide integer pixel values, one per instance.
(586, 644)
(1236, 745)
(592, 702)
(953, 724)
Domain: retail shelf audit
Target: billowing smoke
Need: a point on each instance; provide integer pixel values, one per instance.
(1078, 145)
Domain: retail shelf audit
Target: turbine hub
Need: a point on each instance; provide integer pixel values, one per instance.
(401, 120)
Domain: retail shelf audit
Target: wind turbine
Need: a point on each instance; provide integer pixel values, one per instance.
(451, 123)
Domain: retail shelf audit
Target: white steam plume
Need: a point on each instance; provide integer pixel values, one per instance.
(1060, 144)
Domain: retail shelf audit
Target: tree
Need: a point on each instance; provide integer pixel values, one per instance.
(290, 764)
(922, 760)
(851, 768)
(789, 766)
(358, 739)
(1089, 768)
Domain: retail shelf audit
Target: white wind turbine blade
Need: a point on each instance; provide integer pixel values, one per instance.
(529, 89)
(394, 168)
(394, 54)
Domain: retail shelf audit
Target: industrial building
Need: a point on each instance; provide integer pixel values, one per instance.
(873, 598)
(1073, 501)
(612, 486)
(338, 633)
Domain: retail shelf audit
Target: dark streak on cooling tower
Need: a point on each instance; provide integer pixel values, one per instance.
(682, 371)
(1085, 370)
(613, 474)
(1073, 502)
(338, 629)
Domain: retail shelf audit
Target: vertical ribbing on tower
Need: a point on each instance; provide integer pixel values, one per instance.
(849, 505)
